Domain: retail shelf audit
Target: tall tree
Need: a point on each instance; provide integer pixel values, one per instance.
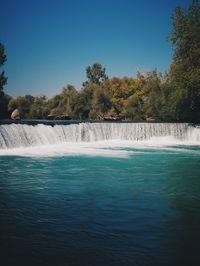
(185, 35)
(184, 99)
(95, 74)
(3, 79)
(4, 99)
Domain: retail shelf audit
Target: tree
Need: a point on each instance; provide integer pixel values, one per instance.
(95, 74)
(153, 97)
(23, 104)
(184, 76)
(3, 79)
(133, 108)
(120, 90)
(64, 103)
(83, 103)
(30, 99)
(185, 36)
(4, 99)
(134, 104)
(68, 101)
(39, 109)
(101, 103)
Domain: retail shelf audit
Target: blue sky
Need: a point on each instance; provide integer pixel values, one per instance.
(49, 43)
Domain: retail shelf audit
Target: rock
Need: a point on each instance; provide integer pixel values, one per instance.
(15, 114)
(58, 117)
(50, 117)
(150, 119)
(63, 117)
(109, 117)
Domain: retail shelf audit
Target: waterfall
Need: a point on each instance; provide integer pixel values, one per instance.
(22, 135)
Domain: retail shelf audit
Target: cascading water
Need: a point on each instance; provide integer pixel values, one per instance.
(22, 135)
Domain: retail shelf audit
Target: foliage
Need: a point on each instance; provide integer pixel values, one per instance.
(4, 100)
(22, 103)
(101, 102)
(83, 103)
(39, 109)
(95, 74)
(64, 103)
(3, 79)
(184, 76)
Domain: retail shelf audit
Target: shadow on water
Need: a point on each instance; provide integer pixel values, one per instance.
(183, 228)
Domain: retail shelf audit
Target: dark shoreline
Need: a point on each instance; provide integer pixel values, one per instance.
(68, 122)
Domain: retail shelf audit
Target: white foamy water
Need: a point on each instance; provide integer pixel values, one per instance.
(71, 149)
(106, 139)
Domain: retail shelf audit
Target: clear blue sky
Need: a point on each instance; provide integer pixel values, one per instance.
(50, 43)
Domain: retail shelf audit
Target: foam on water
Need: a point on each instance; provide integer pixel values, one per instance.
(102, 139)
(70, 149)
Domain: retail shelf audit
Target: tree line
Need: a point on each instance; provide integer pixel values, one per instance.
(174, 96)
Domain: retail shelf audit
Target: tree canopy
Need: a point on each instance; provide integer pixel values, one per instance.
(4, 99)
(95, 74)
(184, 75)
(3, 79)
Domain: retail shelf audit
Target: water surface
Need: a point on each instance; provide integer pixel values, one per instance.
(140, 209)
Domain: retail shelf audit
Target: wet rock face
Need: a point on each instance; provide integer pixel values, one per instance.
(15, 114)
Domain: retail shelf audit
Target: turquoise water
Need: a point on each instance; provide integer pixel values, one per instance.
(143, 209)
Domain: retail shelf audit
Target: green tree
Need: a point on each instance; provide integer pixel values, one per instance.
(133, 108)
(39, 109)
(121, 89)
(68, 101)
(184, 76)
(153, 97)
(83, 103)
(95, 74)
(185, 35)
(64, 103)
(101, 103)
(4, 99)
(23, 104)
(30, 99)
(3, 79)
